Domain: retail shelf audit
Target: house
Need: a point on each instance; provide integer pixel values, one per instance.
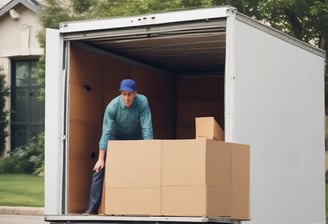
(19, 53)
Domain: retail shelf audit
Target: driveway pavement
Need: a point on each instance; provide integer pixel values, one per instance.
(30, 211)
(22, 219)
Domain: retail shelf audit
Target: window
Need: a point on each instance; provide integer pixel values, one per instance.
(27, 118)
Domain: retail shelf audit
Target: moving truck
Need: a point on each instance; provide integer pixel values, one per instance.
(263, 87)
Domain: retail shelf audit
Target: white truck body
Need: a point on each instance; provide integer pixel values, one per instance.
(273, 101)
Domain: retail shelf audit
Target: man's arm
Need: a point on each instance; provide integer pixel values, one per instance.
(107, 128)
(146, 121)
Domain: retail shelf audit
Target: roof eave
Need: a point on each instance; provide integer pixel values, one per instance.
(30, 4)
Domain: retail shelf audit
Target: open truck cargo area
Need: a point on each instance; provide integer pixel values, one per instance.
(264, 89)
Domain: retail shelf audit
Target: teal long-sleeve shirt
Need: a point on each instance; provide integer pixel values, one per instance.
(122, 123)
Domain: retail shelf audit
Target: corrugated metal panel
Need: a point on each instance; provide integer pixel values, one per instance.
(195, 46)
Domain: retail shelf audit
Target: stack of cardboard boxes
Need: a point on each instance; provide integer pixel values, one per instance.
(195, 177)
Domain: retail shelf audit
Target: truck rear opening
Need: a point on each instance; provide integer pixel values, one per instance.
(179, 67)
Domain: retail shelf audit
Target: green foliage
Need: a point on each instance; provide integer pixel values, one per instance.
(290, 16)
(4, 93)
(319, 10)
(27, 159)
(53, 12)
(82, 6)
(40, 73)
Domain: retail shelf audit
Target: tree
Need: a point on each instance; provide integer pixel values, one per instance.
(4, 93)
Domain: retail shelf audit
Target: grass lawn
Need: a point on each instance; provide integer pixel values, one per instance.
(327, 202)
(21, 190)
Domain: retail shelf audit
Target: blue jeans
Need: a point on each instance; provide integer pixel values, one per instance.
(96, 190)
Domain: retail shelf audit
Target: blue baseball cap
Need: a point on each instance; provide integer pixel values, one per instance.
(128, 85)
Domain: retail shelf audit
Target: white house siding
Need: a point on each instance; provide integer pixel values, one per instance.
(18, 39)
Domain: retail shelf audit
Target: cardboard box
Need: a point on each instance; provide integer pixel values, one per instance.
(132, 185)
(196, 178)
(203, 200)
(133, 201)
(195, 162)
(207, 127)
(240, 181)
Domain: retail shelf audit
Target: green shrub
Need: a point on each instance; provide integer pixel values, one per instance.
(27, 159)
(4, 93)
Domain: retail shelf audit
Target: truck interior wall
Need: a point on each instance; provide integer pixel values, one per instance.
(85, 112)
(198, 96)
(94, 79)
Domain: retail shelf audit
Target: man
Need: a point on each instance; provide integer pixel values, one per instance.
(127, 117)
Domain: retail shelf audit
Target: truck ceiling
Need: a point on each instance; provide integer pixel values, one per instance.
(178, 46)
(175, 52)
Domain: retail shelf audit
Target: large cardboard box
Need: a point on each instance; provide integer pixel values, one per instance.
(132, 178)
(195, 177)
(207, 127)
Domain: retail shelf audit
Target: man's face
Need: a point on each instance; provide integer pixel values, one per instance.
(128, 98)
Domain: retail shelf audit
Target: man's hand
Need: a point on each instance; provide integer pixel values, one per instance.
(99, 166)
(101, 161)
